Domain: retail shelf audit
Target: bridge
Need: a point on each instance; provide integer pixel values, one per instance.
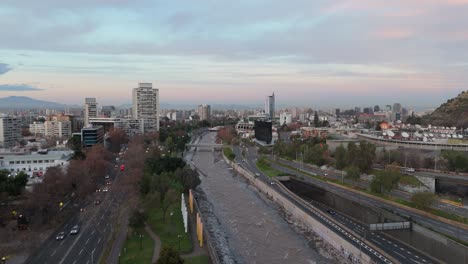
(206, 146)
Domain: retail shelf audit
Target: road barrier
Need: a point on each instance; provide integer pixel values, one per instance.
(390, 226)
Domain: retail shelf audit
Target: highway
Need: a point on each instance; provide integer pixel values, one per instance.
(249, 164)
(439, 226)
(95, 227)
(396, 193)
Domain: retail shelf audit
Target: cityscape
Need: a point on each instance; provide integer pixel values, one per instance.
(223, 133)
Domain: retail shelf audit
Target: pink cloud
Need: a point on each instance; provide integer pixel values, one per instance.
(393, 33)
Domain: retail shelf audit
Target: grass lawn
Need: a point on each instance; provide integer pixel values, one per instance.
(169, 229)
(132, 254)
(197, 260)
(264, 167)
(404, 178)
(229, 154)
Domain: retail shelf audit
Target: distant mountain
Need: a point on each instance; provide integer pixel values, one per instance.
(453, 113)
(23, 102)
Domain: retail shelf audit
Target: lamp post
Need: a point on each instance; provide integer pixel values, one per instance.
(179, 237)
(141, 237)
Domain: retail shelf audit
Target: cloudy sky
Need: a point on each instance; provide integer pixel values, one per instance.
(317, 53)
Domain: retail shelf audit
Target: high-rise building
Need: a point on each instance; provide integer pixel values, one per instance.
(108, 111)
(10, 131)
(204, 111)
(91, 136)
(388, 108)
(90, 110)
(376, 108)
(270, 106)
(337, 112)
(357, 109)
(396, 108)
(146, 106)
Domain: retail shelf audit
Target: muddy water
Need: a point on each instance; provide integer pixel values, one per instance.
(254, 228)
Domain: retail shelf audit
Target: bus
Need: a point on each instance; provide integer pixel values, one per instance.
(122, 167)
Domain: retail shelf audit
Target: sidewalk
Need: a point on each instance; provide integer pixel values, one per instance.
(157, 243)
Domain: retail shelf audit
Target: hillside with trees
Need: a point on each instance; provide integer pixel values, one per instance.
(452, 113)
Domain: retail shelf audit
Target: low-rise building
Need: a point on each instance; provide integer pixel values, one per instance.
(34, 162)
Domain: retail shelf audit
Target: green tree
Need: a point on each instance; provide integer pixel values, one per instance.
(366, 156)
(352, 154)
(456, 160)
(169, 255)
(353, 173)
(385, 181)
(137, 219)
(340, 157)
(423, 200)
(187, 178)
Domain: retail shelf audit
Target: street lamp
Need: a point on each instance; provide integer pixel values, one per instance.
(141, 237)
(179, 237)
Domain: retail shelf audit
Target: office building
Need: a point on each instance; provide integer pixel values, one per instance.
(90, 110)
(108, 111)
(10, 131)
(36, 162)
(337, 112)
(146, 106)
(397, 108)
(376, 108)
(264, 131)
(270, 106)
(388, 108)
(204, 112)
(357, 109)
(91, 136)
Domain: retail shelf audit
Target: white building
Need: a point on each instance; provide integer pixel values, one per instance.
(129, 125)
(10, 131)
(37, 129)
(90, 110)
(146, 106)
(204, 111)
(285, 118)
(35, 161)
(60, 129)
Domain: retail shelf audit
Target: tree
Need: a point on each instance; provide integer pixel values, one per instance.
(456, 160)
(188, 178)
(340, 157)
(353, 173)
(366, 155)
(137, 219)
(385, 181)
(169, 199)
(117, 137)
(169, 255)
(423, 200)
(161, 184)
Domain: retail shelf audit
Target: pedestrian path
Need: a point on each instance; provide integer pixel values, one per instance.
(157, 243)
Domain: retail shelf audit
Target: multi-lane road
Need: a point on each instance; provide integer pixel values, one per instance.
(439, 226)
(395, 249)
(95, 227)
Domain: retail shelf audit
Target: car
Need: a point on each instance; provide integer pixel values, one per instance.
(331, 212)
(116, 166)
(82, 209)
(108, 183)
(60, 236)
(257, 174)
(244, 160)
(107, 177)
(98, 190)
(272, 183)
(105, 189)
(97, 202)
(75, 230)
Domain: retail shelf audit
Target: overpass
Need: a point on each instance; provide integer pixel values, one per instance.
(206, 146)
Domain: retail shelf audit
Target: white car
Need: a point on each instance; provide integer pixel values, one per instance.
(60, 236)
(105, 189)
(107, 177)
(75, 230)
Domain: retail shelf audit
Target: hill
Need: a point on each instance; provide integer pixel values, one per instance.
(23, 102)
(452, 113)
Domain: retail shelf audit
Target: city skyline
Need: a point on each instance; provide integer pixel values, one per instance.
(324, 54)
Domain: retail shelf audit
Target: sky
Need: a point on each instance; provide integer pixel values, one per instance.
(321, 53)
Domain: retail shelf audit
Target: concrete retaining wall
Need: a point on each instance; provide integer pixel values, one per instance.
(348, 250)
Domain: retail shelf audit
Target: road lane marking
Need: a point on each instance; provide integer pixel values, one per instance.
(86, 241)
(399, 254)
(93, 231)
(81, 251)
(74, 262)
(53, 253)
(99, 240)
